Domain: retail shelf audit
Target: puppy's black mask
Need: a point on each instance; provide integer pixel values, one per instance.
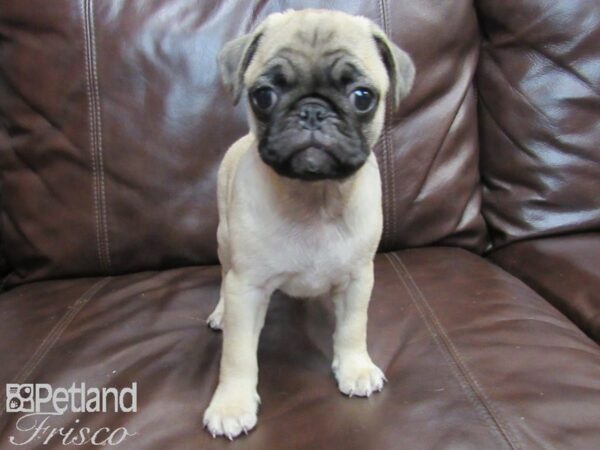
(312, 118)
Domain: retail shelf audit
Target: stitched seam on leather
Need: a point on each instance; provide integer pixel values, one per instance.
(52, 337)
(446, 355)
(92, 126)
(96, 150)
(461, 372)
(386, 169)
(389, 140)
(100, 153)
(509, 434)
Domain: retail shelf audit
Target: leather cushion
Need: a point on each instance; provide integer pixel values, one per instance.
(475, 359)
(117, 122)
(564, 270)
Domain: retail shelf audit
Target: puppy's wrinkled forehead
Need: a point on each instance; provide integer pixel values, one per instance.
(309, 47)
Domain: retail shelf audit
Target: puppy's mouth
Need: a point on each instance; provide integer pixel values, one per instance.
(311, 159)
(312, 163)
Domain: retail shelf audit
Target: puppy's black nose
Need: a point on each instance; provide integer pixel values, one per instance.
(312, 114)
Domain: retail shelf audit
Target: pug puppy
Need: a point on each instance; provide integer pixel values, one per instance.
(299, 197)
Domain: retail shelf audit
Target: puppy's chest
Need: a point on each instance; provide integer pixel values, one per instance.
(312, 259)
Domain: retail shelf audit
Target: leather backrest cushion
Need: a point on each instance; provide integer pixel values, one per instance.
(117, 123)
(539, 91)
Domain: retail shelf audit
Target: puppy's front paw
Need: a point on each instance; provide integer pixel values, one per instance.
(231, 412)
(358, 376)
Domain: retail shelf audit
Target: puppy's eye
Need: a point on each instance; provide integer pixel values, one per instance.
(264, 98)
(362, 99)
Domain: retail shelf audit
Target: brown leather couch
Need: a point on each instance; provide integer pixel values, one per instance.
(486, 308)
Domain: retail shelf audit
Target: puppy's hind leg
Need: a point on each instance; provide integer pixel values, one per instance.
(355, 372)
(234, 405)
(215, 320)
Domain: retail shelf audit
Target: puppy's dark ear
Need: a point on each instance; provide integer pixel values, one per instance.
(234, 59)
(400, 68)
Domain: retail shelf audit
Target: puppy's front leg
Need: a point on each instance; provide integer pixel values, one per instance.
(234, 405)
(355, 372)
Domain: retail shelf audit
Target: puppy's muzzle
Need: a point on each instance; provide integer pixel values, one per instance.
(307, 144)
(312, 163)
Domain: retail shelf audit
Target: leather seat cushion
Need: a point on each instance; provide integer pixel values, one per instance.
(563, 270)
(475, 359)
